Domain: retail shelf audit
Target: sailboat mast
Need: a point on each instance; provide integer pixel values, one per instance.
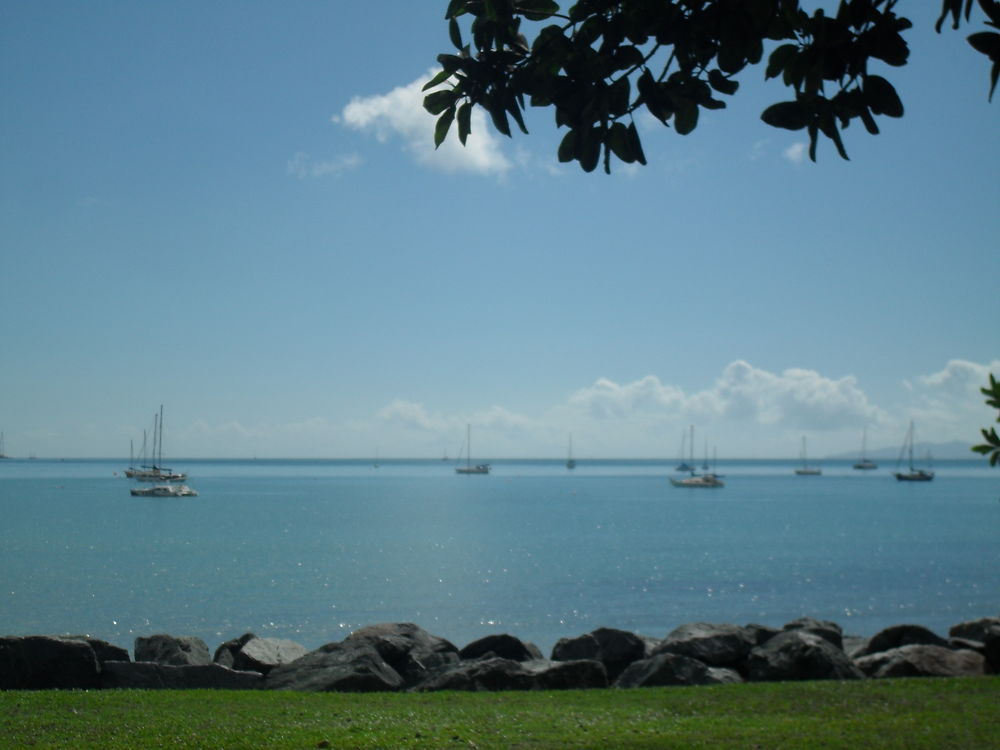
(468, 443)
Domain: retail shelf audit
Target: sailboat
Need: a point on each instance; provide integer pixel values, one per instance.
(806, 470)
(914, 474)
(864, 463)
(469, 468)
(570, 461)
(2, 454)
(155, 472)
(685, 465)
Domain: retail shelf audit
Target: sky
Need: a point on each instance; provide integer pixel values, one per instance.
(234, 209)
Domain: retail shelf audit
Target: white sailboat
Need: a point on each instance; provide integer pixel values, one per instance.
(864, 463)
(469, 468)
(155, 471)
(686, 465)
(806, 470)
(698, 480)
(913, 474)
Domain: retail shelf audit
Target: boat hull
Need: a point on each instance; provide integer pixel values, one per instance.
(479, 469)
(164, 490)
(707, 481)
(915, 476)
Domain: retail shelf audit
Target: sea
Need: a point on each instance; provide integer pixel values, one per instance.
(310, 550)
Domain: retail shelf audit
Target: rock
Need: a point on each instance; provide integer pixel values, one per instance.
(411, 651)
(615, 649)
(855, 645)
(225, 654)
(667, 668)
(152, 676)
(177, 651)
(39, 662)
(974, 630)
(760, 634)
(344, 667)
(799, 654)
(482, 674)
(264, 654)
(991, 650)
(958, 644)
(497, 673)
(831, 631)
(577, 674)
(900, 635)
(921, 660)
(103, 650)
(713, 645)
(505, 646)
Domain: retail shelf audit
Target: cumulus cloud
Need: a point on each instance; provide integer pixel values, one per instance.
(302, 165)
(411, 416)
(794, 398)
(796, 153)
(606, 399)
(948, 403)
(400, 114)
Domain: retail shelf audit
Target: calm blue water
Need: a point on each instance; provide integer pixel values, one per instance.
(311, 550)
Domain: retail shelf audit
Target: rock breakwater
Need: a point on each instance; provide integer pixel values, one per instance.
(404, 656)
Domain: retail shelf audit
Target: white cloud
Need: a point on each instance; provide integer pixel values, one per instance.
(400, 114)
(606, 399)
(795, 398)
(948, 404)
(302, 166)
(411, 415)
(796, 153)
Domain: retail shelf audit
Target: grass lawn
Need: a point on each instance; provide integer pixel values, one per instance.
(912, 713)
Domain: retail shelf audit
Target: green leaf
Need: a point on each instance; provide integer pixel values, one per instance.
(987, 42)
(780, 59)
(567, 147)
(441, 77)
(455, 33)
(618, 140)
(443, 124)
(499, 118)
(881, 97)
(589, 151)
(464, 121)
(438, 101)
(536, 10)
(685, 116)
(788, 115)
(721, 83)
(635, 145)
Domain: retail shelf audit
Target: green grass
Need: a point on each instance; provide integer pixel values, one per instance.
(913, 713)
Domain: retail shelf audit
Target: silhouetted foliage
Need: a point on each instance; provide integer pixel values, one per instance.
(991, 447)
(599, 62)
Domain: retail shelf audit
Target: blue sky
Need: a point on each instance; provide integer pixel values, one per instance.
(234, 209)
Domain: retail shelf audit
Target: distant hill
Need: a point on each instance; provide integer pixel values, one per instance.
(938, 451)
